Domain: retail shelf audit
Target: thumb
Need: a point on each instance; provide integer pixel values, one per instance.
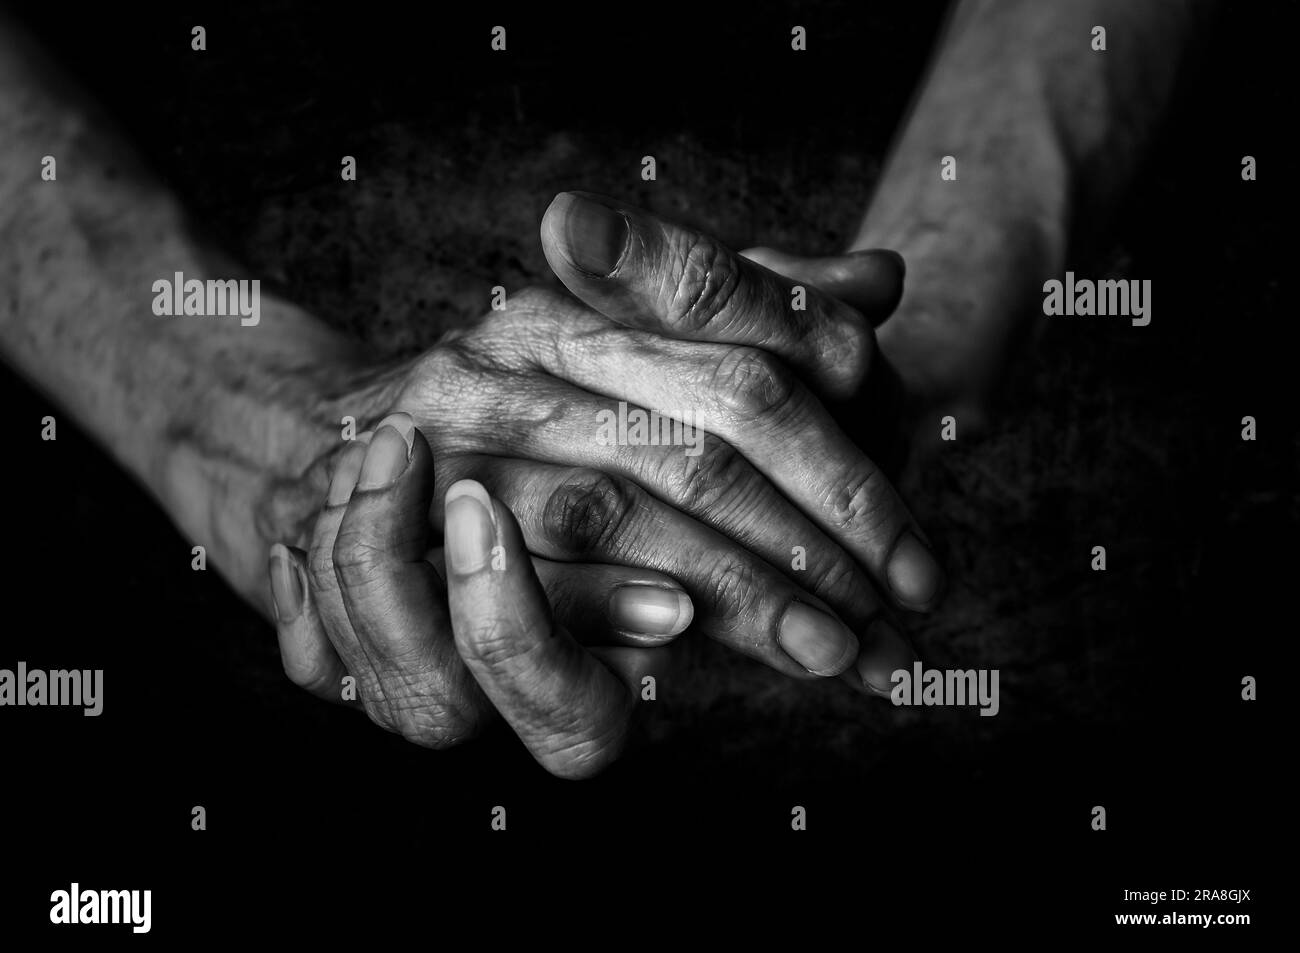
(870, 280)
(570, 710)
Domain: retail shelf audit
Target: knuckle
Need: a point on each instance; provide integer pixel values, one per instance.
(526, 310)
(863, 507)
(584, 514)
(841, 577)
(707, 283)
(708, 483)
(735, 589)
(855, 363)
(320, 568)
(748, 383)
(452, 360)
(357, 561)
(468, 387)
(496, 644)
(455, 372)
(446, 370)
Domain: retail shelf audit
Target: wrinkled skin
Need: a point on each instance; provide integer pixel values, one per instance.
(679, 321)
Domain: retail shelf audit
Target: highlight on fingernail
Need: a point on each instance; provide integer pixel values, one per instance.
(650, 610)
(387, 458)
(286, 584)
(470, 528)
(347, 470)
(404, 424)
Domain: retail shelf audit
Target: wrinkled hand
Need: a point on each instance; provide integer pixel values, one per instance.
(515, 402)
(727, 338)
(430, 659)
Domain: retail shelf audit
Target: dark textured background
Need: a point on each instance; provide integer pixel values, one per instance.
(1119, 688)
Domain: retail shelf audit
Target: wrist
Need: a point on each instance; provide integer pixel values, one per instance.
(977, 251)
(249, 464)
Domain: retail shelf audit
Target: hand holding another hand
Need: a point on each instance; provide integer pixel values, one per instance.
(676, 322)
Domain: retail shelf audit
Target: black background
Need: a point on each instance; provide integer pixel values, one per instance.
(314, 804)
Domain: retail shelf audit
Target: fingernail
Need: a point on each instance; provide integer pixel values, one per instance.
(386, 459)
(594, 235)
(651, 610)
(884, 651)
(816, 641)
(346, 471)
(913, 573)
(404, 425)
(470, 533)
(286, 585)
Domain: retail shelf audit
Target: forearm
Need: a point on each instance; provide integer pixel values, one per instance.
(1043, 127)
(206, 412)
(1044, 134)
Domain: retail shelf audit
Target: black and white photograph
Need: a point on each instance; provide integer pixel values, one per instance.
(707, 466)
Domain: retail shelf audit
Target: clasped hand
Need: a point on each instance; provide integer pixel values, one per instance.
(480, 551)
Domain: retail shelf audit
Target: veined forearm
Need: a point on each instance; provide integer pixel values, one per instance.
(205, 410)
